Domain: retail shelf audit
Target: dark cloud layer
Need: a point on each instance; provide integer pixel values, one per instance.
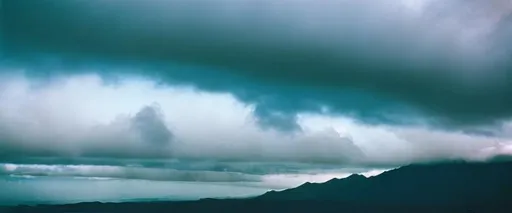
(299, 56)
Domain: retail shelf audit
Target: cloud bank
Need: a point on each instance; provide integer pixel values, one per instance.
(448, 60)
(157, 174)
(64, 118)
(84, 117)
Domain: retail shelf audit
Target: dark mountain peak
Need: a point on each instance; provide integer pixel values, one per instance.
(352, 177)
(355, 176)
(335, 179)
(306, 184)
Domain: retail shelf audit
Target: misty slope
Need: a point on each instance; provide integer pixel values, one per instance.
(437, 184)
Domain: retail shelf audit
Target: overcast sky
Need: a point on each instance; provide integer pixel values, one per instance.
(258, 92)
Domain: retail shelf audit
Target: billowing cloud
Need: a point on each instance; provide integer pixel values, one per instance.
(366, 58)
(151, 126)
(85, 117)
(48, 135)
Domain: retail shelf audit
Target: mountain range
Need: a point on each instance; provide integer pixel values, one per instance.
(438, 187)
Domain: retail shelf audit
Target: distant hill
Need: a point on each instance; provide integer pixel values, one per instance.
(454, 187)
(452, 183)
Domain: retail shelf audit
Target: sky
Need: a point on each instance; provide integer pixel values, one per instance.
(244, 96)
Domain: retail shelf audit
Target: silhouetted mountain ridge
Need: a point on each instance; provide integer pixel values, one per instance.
(456, 182)
(441, 187)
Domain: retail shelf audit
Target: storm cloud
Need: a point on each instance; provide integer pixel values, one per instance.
(84, 117)
(445, 60)
(64, 118)
(252, 92)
